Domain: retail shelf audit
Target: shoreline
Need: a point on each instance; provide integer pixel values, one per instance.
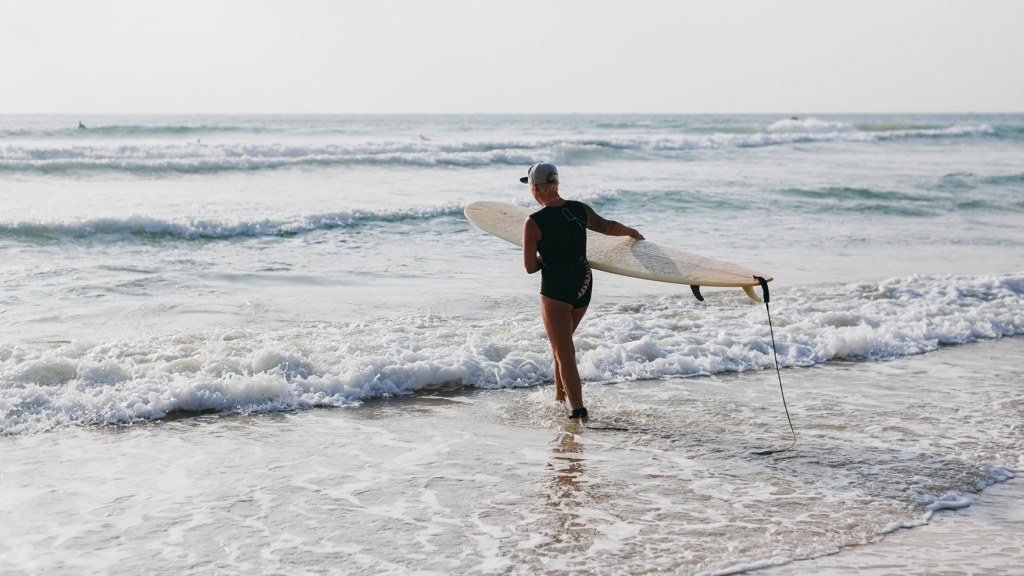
(497, 481)
(983, 538)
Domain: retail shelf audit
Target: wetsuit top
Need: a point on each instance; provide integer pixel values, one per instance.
(565, 275)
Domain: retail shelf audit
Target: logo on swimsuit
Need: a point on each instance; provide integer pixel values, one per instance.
(586, 284)
(572, 218)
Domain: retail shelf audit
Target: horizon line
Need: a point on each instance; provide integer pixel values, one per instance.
(266, 113)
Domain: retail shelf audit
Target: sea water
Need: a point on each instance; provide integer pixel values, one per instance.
(276, 344)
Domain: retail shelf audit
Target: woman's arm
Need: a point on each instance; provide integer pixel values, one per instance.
(610, 227)
(531, 235)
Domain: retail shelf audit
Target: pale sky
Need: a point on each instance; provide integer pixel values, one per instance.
(519, 56)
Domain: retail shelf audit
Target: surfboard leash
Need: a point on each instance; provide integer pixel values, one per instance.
(778, 372)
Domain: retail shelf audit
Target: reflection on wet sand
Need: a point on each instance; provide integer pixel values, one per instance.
(568, 469)
(571, 496)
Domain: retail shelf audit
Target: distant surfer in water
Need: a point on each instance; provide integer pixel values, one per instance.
(80, 125)
(555, 242)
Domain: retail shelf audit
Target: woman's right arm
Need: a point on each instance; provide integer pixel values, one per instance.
(531, 235)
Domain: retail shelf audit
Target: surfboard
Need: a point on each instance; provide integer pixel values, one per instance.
(625, 256)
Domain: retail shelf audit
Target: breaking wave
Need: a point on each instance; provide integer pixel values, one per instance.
(155, 154)
(342, 364)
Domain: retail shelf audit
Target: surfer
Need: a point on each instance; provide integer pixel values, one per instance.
(555, 242)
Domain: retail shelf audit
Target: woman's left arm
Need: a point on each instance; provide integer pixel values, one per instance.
(610, 227)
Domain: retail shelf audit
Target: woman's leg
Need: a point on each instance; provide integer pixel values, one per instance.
(560, 322)
(559, 389)
(577, 316)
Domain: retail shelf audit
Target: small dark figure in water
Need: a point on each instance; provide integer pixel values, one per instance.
(80, 125)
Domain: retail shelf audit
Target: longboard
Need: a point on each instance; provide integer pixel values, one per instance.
(625, 256)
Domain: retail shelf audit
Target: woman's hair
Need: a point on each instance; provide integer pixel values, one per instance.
(547, 187)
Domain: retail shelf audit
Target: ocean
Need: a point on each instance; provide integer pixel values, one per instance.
(274, 344)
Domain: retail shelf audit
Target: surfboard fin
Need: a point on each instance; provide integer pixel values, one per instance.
(750, 292)
(696, 292)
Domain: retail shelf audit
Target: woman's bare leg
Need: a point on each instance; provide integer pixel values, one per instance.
(559, 389)
(560, 322)
(577, 316)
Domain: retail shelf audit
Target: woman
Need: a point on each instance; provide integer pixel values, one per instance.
(555, 242)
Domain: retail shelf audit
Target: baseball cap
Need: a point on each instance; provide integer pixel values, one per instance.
(541, 173)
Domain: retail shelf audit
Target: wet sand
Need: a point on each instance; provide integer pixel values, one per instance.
(984, 538)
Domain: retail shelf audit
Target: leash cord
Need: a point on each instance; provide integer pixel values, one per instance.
(775, 354)
(779, 373)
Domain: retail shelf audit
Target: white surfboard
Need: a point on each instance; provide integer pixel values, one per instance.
(623, 255)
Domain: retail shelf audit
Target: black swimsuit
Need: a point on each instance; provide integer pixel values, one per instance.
(566, 274)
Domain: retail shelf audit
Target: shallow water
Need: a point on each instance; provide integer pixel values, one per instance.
(498, 481)
(982, 539)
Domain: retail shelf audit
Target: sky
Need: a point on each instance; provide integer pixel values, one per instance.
(520, 56)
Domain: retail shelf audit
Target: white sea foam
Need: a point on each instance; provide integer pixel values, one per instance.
(810, 126)
(196, 157)
(194, 228)
(343, 364)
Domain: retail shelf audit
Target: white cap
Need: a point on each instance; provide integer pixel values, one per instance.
(541, 173)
